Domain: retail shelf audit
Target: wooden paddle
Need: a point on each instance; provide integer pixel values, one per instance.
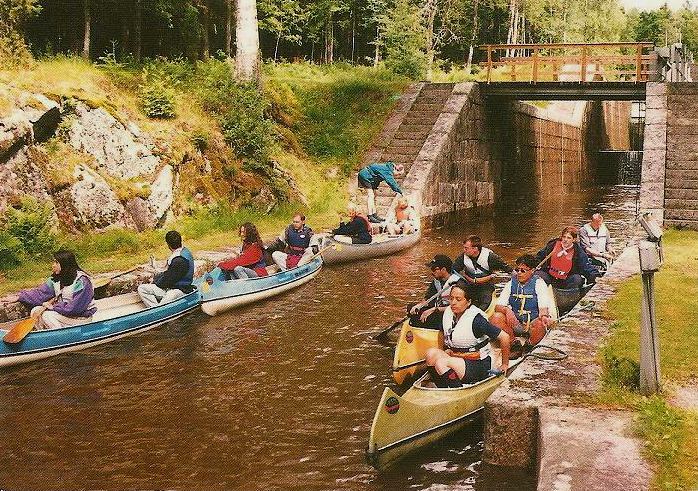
(22, 328)
(381, 335)
(102, 282)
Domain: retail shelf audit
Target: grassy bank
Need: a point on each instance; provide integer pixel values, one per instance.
(670, 433)
(322, 119)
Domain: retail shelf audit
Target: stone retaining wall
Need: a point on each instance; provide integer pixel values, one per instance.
(541, 417)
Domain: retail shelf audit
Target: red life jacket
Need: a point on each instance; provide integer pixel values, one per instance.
(561, 265)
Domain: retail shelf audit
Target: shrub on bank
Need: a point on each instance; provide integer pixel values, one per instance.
(32, 224)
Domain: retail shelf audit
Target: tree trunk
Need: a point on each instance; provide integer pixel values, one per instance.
(353, 34)
(473, 36)
(205, 18)
(125, 32)
(430, 40)
(86, 39)
(247, 42)
(228, 27)
(276, 48)
(512, 24)
(329, 39)
(137, 33)
(376, 58)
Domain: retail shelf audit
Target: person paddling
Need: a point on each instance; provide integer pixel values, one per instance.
(250, 262)
(429, 314)
(65, 299)
(467, 336)
(565, 264)
(523, 306)
(176, 280)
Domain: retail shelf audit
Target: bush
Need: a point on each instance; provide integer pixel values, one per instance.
(10, 250)
(621, 372)
(32, 225)
(404, 38)
(158, 101)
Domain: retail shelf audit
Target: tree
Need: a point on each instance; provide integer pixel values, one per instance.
(247, 42)
(86, 39)
(283, 19)
(404, 40)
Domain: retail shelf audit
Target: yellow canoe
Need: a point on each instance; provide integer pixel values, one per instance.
(424, 413)
(412, 345)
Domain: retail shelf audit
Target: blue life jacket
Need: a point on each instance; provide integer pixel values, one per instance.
(298, 240)
(529, 310)
(189, 277)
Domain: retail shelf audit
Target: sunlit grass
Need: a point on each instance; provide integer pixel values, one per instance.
(670, 434)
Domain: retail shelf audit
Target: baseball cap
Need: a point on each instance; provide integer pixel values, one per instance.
(440, 261)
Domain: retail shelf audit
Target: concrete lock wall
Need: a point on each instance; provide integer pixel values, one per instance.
(477, 148)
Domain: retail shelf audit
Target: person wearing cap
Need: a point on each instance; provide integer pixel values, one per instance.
(595, 239)
(523, 306)
(428, 314)
(370, 177)
(476, 264)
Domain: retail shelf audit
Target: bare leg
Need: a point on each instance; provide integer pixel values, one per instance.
(370, 201)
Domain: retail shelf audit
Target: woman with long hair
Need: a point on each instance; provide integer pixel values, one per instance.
(66, 298)
(250, 262)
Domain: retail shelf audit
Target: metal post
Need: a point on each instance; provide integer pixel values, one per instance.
(649, 344)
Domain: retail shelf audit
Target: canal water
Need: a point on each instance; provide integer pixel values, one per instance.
(279, 395)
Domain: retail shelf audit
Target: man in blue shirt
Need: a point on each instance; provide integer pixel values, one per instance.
(370, 178)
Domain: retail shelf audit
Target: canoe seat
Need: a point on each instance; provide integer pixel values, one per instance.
(273, 269)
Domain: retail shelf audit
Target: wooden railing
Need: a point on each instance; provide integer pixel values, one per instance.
(571, 62)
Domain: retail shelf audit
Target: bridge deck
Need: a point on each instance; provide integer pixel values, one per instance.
(607, 91)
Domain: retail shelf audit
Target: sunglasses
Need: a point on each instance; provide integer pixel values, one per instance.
(521, 270)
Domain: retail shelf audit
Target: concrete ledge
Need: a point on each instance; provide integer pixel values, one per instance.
(540, 416)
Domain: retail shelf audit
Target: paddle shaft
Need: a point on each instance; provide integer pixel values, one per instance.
(102, 282)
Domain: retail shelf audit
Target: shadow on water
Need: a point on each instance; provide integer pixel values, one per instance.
(277, 395)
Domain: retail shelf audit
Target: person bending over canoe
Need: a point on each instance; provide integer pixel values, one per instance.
(595, 239)
(429, 314)
(565, 264)
(402, 219)
(476, 264)
(250, 262)
(176, 280)
(295, 242)
(467, 336)
(523, 306)
(356, 231)
(371, 176)
(65, 299)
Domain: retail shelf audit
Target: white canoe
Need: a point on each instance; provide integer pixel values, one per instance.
(382, 245)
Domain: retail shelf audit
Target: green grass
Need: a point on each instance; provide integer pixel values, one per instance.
(670, 434)
(326, 114)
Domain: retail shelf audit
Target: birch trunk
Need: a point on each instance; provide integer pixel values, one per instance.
(430, 40)
(205, 18)
(376, 57)
(137, 33)
(247, 42)
(228, 27)
(329, 40)
(473, 36)
(86, 39)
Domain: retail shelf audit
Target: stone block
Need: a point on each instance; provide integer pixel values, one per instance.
(680, 118)
(681, 204)
(682, 164)
(683, 88)
(680, 193)
(470, 88)
(675, 153)
(445, 123)
(655, 137)
(680, 214)
(656, 102)
(655, 116)
(511, 431)
(456, 104)
(692, 224)
(681, 175)
(674, 131)
(652, 194)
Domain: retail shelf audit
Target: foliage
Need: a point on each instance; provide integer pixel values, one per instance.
(10, 250)
(13, 16)
(621, 372)
(158, 100)
(404, 40)
(240, 109)
(32, 225)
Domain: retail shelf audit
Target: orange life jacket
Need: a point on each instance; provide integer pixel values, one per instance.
(561, 264)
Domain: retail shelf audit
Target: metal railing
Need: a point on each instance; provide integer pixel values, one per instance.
(631, 62)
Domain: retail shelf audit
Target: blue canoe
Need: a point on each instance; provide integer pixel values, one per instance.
(219, 294)
(116, 317)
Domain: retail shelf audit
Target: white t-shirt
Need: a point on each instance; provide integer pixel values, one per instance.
(542, 293)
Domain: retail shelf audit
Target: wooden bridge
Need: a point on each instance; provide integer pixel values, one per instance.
(605, 71)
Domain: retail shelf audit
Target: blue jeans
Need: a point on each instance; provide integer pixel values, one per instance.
(241, 272)
(572, 281)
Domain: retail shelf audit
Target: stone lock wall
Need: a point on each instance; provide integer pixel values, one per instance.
(669, 187)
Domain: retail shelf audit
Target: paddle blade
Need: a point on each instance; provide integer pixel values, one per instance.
(100, 282)
(19, 332)
(337, 247)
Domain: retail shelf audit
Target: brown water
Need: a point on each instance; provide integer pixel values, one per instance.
(279, 395)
